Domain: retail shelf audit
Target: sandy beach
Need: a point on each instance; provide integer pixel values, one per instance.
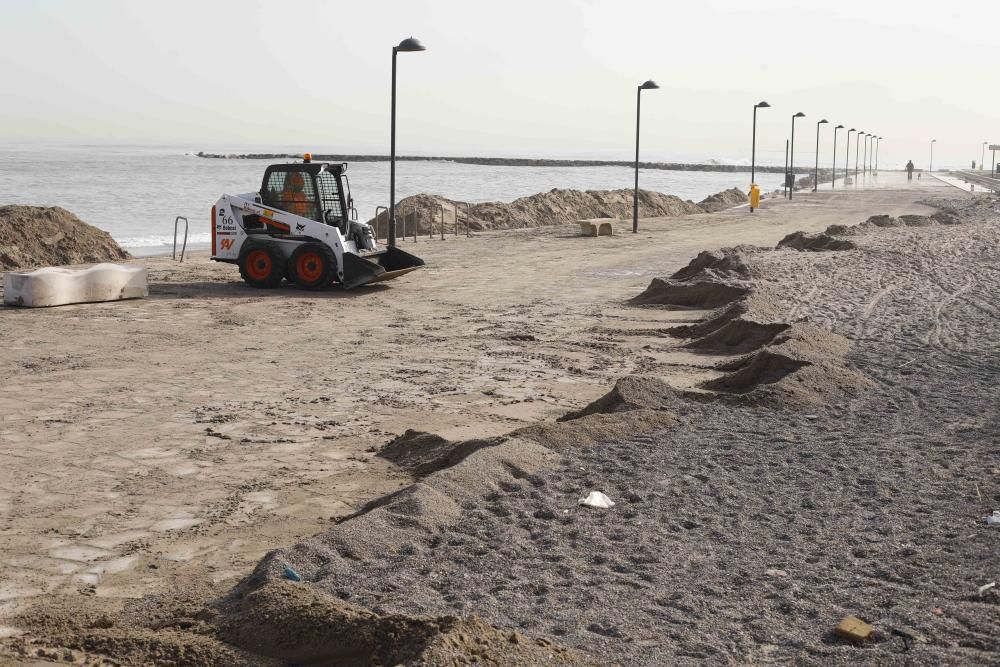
(165, 446)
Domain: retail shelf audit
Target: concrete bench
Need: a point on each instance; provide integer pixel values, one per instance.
(598, 227)
(56, 286)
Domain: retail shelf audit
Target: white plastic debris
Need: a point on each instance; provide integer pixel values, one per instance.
(986, 587)
(597, 499)
(993, 519)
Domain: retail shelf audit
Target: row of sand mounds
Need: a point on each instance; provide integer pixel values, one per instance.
(426, 213)
(945, 216)
(34, 236)
(780, 361)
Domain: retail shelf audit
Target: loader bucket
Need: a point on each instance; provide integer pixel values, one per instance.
(387, 265)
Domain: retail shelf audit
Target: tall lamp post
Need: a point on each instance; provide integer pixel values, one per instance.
(648, 85)
(864, 160)
(857, 145)
(753, 145)
(408, 45)
(930, 168)
(878, 144)
(983, 158)
(791, 155)
(847, 158)
(816, 171)
(833, 179)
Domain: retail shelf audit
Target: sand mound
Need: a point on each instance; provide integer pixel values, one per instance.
(281, 623)
(633, 392)
(723, 200)
(423, 212)
(421, 453)
(814, 358)
(298, 625)
(814, 242)
(946, 216)
(593, 429)
(700, 294)
(725, 263)
(33, 236)
(916, 220)
(739, 335)
(840, 230)
(882, 221)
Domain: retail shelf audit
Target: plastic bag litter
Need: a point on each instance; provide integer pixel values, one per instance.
(597, 499)
(993, 519)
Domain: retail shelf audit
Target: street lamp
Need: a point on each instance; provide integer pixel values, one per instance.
(847, 159)
(816, 172)
(408, 45)
(833, 179)
(857, 145)
(983, 158)
(753, 149)
(931, 167)
(791, 155)
(648, 85)
(864, 160)
(878, 144)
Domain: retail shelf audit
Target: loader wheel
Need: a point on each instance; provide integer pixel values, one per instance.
(261, 265)
(312, 266)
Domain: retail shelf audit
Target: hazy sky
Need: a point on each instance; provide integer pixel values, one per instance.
(541, 78)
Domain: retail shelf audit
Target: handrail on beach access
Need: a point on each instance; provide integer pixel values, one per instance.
(184, 245)
(386, 209)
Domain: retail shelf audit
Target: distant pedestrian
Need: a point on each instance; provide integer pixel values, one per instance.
(909, 170)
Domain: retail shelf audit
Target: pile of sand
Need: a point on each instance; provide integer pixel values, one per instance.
(814, 242)
(34, 236)
(944, 216)
(423, 212)
(280, 624)
(723, 200)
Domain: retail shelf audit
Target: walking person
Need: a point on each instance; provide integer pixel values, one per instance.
(909, 170)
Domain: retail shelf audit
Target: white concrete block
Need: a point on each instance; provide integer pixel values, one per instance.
(56, 286)
(597, 227)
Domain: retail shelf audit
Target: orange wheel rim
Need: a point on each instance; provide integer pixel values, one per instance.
(259, 265)
(309, 266)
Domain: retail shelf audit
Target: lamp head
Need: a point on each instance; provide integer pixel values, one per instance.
(851, 130)
(822, 122)
(839, 127)
(649, 85)
(410, 44)
(799, 115)
(762, 105)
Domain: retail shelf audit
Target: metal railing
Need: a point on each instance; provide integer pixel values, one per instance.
(386, 209)
(437, 217)
(184, 245)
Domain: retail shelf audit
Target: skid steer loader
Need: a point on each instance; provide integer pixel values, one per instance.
(301, 227)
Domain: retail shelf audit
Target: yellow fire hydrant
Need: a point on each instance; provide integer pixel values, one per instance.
(754, 196)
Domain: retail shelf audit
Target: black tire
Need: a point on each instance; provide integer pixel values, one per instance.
(261, 265)
(312, 266)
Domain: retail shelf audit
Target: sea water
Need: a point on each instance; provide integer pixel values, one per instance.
(136, 192)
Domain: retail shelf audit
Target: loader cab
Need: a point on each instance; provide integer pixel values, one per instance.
(312, 190)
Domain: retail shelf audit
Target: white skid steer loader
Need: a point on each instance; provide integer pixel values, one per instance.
(300, 227)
